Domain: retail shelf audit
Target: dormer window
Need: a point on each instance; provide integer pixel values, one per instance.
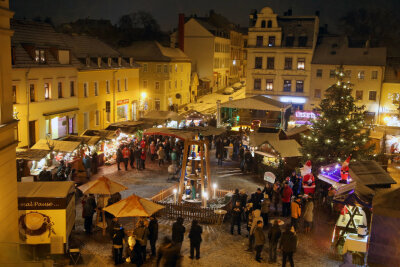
(269, 25)
(263, 24)
(109, 62)
(40, 56)
(99, 62)
(119, 61)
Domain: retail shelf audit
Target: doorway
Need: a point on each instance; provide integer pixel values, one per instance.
(32, 133)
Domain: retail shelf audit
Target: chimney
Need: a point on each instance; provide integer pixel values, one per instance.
(181, 32)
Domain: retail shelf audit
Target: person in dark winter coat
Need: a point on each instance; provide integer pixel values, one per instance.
(288, 245)
(118, 243)
(168, 254)
(141, 234)
(235, 197)
(120, 158)
(256, 199)
(259, 240)
(87, 163)
(178, 231)
(133, 252)
(89, 208)
(236, 217)
(138, 152)
(273, 236)
(195, 239)
(131, 157)
(153, 234)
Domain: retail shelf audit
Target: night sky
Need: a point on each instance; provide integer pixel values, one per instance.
(165, 11)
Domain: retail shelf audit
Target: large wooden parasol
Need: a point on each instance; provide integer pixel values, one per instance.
(102, 186)
(133, 206)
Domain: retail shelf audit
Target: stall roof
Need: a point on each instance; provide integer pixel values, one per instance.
(286, 148)
(207, 130)
(62, 146)
(371, 174)
(257, 102)
(45, 189)
(298, 130)
(159, 115)
(105, 134)
(386, 203)
(354, 193)
(257, 139)
(129, 126)
(181, 134)
(89, 140)
(31, 154)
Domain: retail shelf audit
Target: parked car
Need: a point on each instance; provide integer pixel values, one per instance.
(228, 91)
(236, 86)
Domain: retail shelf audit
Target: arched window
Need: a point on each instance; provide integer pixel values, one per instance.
(269, 24)
(263, 24)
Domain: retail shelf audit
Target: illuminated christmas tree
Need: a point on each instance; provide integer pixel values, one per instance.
(340, 129)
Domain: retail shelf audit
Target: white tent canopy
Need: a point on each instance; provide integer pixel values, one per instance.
(258, 102)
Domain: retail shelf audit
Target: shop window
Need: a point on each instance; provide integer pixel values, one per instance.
(269, 85)
(259, 41)
(158, 68)
(288, 63)
(359, 95)
(372, 95)
(60, 92)
(32, 94)
(374, 75)
(271, 41)
(119, 85)
(47, 91)
(301, 63)
(332, 74)
(85, 90)
(287, 85)
(72, 88)
(157, 85)
(126, 84)
(319, 73)
(14, 93)
(317, 93)
(107, 87)
(270, 63)
(145, 67)
(299, 86)
(257, 84)
(361, 75)
(258, 63)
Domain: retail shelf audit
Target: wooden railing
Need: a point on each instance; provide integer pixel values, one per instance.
(165, 193)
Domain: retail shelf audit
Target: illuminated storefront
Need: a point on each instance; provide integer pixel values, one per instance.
(122, 110)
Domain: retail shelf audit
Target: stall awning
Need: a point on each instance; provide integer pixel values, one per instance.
(286, 148)
(104, 134)
(354, 193)
(57, 189)
(129, 127)
(257, 139)
(207, 130)
(88, 140)
(258, 102)
(61, 146)
(61, 113)
(371, 174)
(181, 134)
(31, 154)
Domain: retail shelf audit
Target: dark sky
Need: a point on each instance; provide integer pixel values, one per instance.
(166, 11)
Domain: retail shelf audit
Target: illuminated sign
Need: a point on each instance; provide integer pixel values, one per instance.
(295, 100)
(305, 114)
(122, 102)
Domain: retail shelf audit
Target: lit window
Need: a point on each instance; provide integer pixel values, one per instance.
(269, 85)
(359, 95)
(176, 67)
(299, 86)
(301, 64)
(372, 95)
(40, 56)
(96, 89)
(257, 84)
(287, 85)
(361, 75)
(317, 93)
(319, 73)
(47, 91)
(271, 41)
(374, 75)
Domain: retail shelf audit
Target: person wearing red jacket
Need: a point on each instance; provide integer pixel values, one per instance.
(286, 196)
(126, 154)
(143, 158)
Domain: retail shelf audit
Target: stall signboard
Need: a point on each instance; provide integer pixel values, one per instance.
(43, 217)
(303, 117)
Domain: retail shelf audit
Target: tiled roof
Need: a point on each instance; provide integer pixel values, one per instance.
(335, 51)
(153, 51)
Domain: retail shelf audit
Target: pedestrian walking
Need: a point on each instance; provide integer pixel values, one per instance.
(288, 245)
(141, 234)
(308, 214)
(131, 156)
(153, 234)
(273, 236)
(265, 204)
(256, 217)
(126, 155)
(195, 239)
(259, 240)
(286, 196)
(276, 196)
(87, 163)
(161, 156)
(178, 231)
(95, 162)
(236, 217)
(138, 152)
(89, 208)
(143, 159)
(118, 243)
(256, 199)
(296, 212)
(119, 157)
(152, 151)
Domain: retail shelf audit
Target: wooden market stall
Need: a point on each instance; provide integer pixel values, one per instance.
(30, 162)
(46, 212)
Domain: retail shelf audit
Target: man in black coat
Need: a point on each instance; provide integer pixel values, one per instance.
(178, 231)
(153, 234)
(273, 236)
(88, 210)
(256, 199)
(236, 217)
(118, 243)
(288, 245)
(195, 239)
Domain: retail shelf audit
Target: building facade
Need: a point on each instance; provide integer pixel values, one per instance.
(8, 182)
(390, 96)
(165, 75)
(279, 54)
(107, 85)
(364, 68)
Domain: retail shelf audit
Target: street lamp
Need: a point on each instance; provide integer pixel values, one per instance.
(143, 95)
(175, 191)
(215, 190)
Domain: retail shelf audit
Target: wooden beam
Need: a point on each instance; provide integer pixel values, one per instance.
(183, 170)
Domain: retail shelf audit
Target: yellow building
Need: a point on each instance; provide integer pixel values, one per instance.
(43, 83)
(279, 54)
(390, 99)
(108, 85)
(165, 75)
(238, 57)
(8, 182)
(364, 68)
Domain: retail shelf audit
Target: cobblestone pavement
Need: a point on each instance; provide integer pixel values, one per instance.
(219, 247)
